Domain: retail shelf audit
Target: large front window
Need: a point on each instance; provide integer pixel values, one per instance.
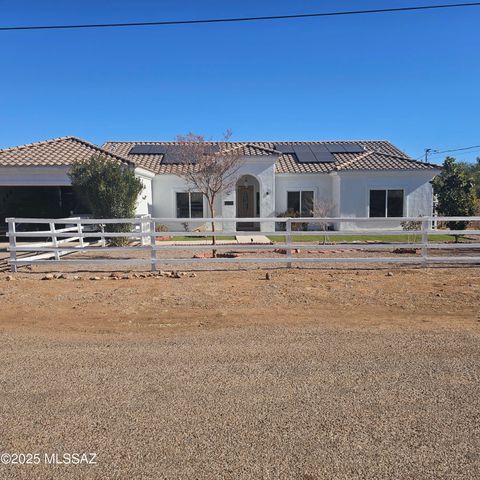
(300, 203)
(189, 205)
(386, 203)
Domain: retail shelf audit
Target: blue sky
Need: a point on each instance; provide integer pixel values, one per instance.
(412, 78)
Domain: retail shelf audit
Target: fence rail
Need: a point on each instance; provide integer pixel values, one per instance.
(67, 236)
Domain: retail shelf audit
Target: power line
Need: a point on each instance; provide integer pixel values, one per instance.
(241, 19)
(430, 151)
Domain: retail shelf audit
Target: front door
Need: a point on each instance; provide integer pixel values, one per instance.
(245, 202)
(245, 206)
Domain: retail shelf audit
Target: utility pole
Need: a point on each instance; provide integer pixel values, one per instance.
(427, 153)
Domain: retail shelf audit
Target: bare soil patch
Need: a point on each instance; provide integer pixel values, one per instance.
(368, 298)
(312, 374)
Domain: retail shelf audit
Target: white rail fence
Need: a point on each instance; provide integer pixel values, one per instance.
(79, 235)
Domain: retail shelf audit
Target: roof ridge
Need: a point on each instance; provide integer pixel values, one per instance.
(34, 144)
(103, 150)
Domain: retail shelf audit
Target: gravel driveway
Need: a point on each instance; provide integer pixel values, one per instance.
(294, 402)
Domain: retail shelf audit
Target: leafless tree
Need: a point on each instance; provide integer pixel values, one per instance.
(323, 208)
(208, 170)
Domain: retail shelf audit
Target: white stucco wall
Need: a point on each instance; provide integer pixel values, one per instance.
(354, 188)
(348, 193)
(263, 170)
(145, 199)
(165, 188)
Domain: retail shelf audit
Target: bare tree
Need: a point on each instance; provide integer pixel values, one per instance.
(209, 170)
(323, 208)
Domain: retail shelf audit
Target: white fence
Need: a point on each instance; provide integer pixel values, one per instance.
(92, 235)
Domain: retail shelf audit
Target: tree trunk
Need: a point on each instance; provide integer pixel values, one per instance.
(212, 215)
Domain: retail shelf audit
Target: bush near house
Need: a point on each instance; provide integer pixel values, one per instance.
(455, 191)
(110, 190)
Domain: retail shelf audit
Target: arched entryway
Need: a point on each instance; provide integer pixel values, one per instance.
(248, 202)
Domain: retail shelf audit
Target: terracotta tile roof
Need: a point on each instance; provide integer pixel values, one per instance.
(378, 155)
(61, 151)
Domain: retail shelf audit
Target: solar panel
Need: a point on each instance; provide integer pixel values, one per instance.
(148, 150)
(174, 154)
(284, 148)
(335, 148)
(318, 147)
(304, 154)
(353, 148)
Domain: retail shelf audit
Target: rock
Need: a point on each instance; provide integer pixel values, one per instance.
(61, 276)
(48, 276)
(389, 274)
(135, 275)
(267, 276)
(193, 275)
(175, 274)
(9, 278)
(95, 278)
(76, 277)
(125, 277)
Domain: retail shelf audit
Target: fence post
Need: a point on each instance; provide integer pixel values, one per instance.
(102, 236)
(288, 231)
(153, 252)
(425, 229)
(80, 234)
(54, 240)
(12, 241)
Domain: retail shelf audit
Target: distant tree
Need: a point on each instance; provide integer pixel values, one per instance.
(109, 189)
(473, 170)
(324, 208)
(455, 193)
(208, 170)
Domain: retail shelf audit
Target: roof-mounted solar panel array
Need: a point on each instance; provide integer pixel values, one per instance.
(148, 149)
(305, 152)
(346, 148)
(172, 154)
(318, 152)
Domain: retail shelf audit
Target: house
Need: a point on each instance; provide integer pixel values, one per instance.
(352, 178)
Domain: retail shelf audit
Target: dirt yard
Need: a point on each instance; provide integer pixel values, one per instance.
(339, 374)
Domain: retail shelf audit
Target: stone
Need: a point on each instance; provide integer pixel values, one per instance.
(267, 276)
(389, 274)
(9, 278)
(95, 278)
(48, 276)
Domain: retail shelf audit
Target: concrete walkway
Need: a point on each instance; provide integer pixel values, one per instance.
(239, 239)
(253, 238)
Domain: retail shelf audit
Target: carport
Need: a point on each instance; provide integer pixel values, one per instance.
(34, 181)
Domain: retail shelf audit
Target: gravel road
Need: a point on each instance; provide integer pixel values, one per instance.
(275, 402)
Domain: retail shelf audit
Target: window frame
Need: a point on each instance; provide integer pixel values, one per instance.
(300, 191)
(189, 193)
(386, 190)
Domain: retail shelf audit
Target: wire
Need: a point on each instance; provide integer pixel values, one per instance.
(240, 19)
(432, 152)
(436, 152)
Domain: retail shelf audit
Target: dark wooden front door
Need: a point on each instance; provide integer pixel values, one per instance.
(245, 206)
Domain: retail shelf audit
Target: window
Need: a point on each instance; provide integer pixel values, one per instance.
(189, 205)
(386, 203)
(300, 202)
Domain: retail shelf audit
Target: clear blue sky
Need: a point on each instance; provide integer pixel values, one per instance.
(412, 78)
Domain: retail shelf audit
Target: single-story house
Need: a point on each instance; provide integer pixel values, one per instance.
(341, 178)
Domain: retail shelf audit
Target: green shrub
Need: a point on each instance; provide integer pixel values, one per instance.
(109, 189)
